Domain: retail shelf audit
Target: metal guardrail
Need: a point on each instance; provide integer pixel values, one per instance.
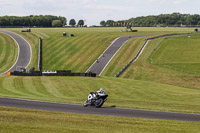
(40, 55)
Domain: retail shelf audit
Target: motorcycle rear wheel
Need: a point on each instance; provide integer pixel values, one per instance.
(99, 103)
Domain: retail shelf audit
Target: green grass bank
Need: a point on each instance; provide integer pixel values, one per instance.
(124, 93)
(79, 52)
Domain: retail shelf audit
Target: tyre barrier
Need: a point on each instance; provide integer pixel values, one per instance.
(142, 48)
(52, 73)
(27, 30)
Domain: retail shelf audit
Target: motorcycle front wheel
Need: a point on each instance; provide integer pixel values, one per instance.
(86, 103)
(99, 103)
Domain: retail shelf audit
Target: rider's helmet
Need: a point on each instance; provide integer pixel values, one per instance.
(101, 90)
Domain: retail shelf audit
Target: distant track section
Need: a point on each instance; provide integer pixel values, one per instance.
(142, 48)
(100, 64)
(72, 108)
(24, 52)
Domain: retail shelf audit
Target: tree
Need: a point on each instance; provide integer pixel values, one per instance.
(81, 23)
(103, 23)
(72, 22)
(63, 20)
(57, 23)
(110, 22)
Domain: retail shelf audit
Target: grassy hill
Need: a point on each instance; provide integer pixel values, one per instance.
(174, 61)
(125, 93)
(156, 81)
(79, 52)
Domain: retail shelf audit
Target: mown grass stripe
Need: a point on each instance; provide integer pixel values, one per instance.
(7, 53)
(40, 87)
(4, 91)
(8, 84)
(40, 34)
(53, 57)
(58, 53)
(50, 87)
(3, 51)
(31, 87)
(76, 57)
(95, 50)
(84, 51)
(19, 84)
(48, 46)
(68, 89)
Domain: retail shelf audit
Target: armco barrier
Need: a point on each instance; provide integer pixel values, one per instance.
(142, 48)
(40, 55)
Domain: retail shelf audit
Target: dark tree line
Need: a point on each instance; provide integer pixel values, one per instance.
(33, 20)
(159, 20)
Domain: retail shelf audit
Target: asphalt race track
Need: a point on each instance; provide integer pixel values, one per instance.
(112, 111)
(99, 65)
(24, 55)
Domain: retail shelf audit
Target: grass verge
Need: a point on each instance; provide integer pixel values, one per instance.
(31, 121)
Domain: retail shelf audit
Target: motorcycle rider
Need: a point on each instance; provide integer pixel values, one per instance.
(101, 91)
(94, 95)
(96, 98)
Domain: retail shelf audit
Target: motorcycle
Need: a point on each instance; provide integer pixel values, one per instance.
(95, 99)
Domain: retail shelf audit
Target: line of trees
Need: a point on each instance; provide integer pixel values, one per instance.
(38, 21)
(159, 20)
(33, 20)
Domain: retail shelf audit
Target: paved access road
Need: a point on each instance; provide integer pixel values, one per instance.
(99, 65)
(24, 52)
(72, 108)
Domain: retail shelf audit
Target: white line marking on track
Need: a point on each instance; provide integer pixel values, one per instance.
(103, 53)
(18, 50)
(17, 55)
(112, 57)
